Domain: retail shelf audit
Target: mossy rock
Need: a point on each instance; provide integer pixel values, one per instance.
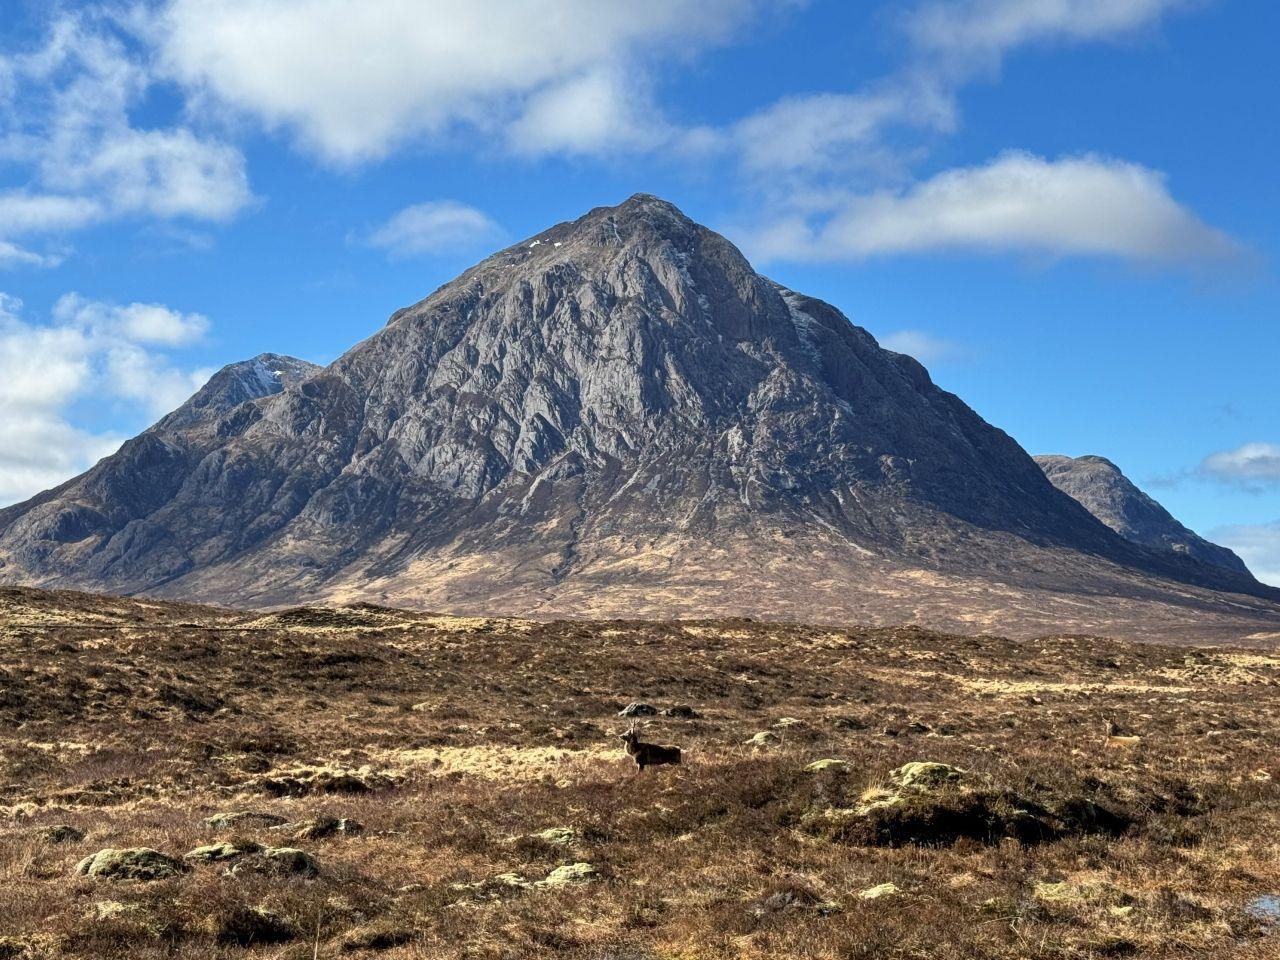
(765, 738)
(559, 836)
(828, 765)
(925, 775)
(137, 863)
(880, 891)
(215, 852)
(568, 875)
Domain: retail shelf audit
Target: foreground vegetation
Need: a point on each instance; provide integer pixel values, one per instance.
(366, 782)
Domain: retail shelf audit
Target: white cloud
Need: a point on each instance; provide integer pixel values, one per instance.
(140, 323)
(437, 226)
(596, 112)
(1253, 464)
(836, 131)
(1081, 206)
(22, 213)
(88, 349)
(68, 120)
(12, 255)
(354, 79)
(977, 33)
(924, 346)
(1258, 545)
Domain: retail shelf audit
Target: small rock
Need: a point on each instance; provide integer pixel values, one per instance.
(291, 860)
(924, 774)
(279, 861)
(214, 852)
(561, 836)
(568, 874)
(243, 818)
(880, 890)
(137, 863)
(638, 708)
(783, 723)
(828, 765)
(60, 833)
(765, 738)
(682, 711)
(323, 828)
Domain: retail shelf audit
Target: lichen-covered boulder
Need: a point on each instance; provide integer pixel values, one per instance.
(765, 738)
(137, 863)
(568, 875)
(215, 852)
(828, 765)
(924, 775)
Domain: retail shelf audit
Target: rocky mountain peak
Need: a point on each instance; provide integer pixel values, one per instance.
(261, 376)
(617, 413)
(1103, 489)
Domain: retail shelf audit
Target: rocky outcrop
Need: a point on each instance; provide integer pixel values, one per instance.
(618, 414)
(1100, 487)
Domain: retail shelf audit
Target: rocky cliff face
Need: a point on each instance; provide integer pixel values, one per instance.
(1113, 498)
(618, 414)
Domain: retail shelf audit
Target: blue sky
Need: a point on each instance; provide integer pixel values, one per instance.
(1065, 208)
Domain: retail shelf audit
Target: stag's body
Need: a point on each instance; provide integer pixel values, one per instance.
(648, 754)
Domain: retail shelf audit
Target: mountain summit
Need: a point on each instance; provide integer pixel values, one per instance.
(1103, 490)
(617, 415)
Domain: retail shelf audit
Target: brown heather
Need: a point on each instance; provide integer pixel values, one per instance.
(460, 744)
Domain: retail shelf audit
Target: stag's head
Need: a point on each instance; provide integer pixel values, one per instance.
(631, 736)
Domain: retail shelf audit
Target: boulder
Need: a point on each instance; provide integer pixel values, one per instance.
(924, 775)
(765, 738)
(879, 891)
(828, 765)
(567, 875)
(215, 852)
(638, 708)
(323, 827)
(560, 836)
(243, 818)
(681, 711)
(136, 863)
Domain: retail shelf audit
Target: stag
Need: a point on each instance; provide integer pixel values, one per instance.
(647, 754)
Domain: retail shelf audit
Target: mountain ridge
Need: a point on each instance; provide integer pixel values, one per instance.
(617, 410)
(1102, 488)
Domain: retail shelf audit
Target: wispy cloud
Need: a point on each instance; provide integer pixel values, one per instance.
(925, 347)
(68, 120)
(435, 227)
(1258, 545)
(1252, 465)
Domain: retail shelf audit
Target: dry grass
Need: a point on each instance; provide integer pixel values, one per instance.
(455, 743)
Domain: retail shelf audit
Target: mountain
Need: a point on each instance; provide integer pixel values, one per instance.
(1103, 490)
(615, 416)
